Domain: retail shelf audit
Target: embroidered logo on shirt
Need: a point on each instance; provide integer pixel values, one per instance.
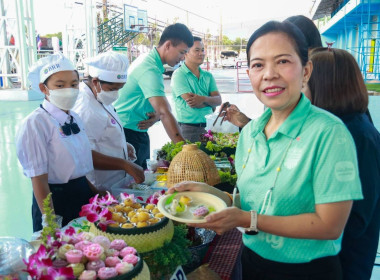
(345, 171)
(293, 157)
(341, 140)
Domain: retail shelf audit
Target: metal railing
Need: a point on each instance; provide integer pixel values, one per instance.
(111, 33)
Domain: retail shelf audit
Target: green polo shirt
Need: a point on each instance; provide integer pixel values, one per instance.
(184, 81)
(144, 81)
(320, 166)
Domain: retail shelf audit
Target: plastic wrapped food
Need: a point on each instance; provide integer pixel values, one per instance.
(12, 251)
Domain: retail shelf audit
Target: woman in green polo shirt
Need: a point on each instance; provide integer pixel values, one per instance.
(296, 165)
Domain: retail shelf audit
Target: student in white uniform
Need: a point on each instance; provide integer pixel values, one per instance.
(107, 74)
(52, 145)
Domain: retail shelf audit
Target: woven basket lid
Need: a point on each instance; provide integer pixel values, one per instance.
(192, 164)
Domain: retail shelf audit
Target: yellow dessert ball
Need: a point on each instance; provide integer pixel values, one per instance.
(122, 219)
(128, 202)
(114, 225)
(127, 225)
(143, 216)
(143, 210)
(116, 216)
(150, 206)
(119, 207)
(155, 210)
(134, 219)
(131, 214)
(153, 220)
(142, 224)
(127, 209)
(159, 215)
(136, 205)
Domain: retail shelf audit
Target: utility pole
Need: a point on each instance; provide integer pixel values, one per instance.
(105, 11)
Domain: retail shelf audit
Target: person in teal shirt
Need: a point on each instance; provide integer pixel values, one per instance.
(194, 92)
(142, 100)
(297, 169)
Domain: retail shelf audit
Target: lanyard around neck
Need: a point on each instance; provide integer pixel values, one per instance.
(268, 194)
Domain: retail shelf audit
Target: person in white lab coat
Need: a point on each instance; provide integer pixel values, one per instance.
(112, 158)
(52, 145)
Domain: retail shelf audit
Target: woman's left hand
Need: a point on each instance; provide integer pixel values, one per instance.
(225, 220)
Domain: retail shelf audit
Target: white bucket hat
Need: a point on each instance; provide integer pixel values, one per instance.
(109, 67)
(47, 66)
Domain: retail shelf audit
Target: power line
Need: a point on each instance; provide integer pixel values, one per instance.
(192, 13)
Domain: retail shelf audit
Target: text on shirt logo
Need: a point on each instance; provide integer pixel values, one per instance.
(345, 171)
(275, 241)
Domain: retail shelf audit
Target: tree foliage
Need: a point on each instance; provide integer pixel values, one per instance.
(51, 35)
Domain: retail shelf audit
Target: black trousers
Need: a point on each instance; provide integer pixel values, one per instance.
(141, 142)
(67, 200)
(257, 268)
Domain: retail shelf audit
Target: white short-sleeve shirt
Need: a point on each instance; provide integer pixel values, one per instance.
(42, 147)
(106, 135)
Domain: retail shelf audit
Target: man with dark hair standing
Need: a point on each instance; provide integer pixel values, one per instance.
(142, 100)
(194, 92)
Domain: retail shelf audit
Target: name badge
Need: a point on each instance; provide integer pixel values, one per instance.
(113, 122)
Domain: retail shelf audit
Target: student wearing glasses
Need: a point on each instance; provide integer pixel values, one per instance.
(51, 144)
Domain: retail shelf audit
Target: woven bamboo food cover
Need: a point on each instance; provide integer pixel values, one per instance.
(192, 164)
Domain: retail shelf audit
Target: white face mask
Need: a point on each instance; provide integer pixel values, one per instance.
(63, 98)
(107, 97)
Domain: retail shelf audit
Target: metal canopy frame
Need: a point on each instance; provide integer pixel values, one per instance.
(15, 60)
(358, 31)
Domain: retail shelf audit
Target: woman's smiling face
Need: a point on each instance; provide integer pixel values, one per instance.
(276, 72)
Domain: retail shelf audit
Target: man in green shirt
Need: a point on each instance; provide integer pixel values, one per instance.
(144, 92)
(194, 92)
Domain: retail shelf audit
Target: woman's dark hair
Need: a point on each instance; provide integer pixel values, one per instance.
(47, 79)
(336, 84)
(177, 33)
(288, 29)
(309, 30)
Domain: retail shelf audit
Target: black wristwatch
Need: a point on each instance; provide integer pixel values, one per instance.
(252, 230)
